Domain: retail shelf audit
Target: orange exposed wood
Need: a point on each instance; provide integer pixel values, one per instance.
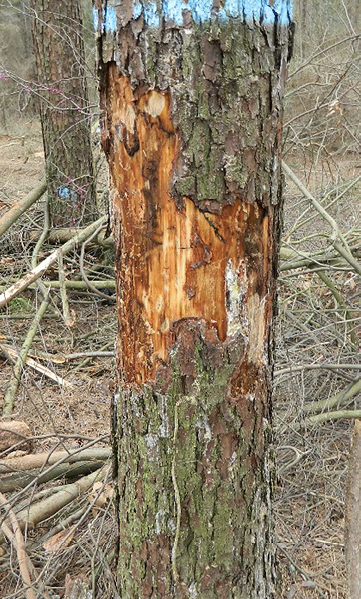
(173, 261)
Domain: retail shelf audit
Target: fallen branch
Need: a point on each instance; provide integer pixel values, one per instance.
(325, 365)
(84, 275)
(51, 505)
(337, 400)
(12, 215)
(63, 235)
(336, 237)
(43, 266)
(292, 259)
(17, 540)
(90, 354)
(339, 415)
(60, 526)
(353, 515)
(68, 319)
(89, 358)
(15, 482)
(67, 357)
(108, 284)
(69, 284)
(13, 355)
(341, 302)
(39, 460)
(18, 367)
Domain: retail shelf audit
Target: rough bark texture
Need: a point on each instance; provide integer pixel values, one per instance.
(192, 130)
(64, 111)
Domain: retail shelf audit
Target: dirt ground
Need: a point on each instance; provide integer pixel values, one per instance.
(309, 495)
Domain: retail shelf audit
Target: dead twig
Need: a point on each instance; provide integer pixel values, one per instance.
(13, 355)
(22, 357)
(16, 538)
(68, 319)
(43, 266)
(336, 236)
(12, 215)
(83, 273)
(353, 515)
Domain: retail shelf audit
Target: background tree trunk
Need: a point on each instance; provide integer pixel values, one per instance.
(192, 99)
(303, 24)
(64, 110)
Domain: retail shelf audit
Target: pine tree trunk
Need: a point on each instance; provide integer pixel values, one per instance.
(192, 101)
(303, 28)
(64, 110)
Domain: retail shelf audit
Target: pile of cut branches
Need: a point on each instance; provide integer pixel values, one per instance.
(47, 501)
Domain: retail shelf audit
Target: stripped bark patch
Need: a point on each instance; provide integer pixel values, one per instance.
(176, 262)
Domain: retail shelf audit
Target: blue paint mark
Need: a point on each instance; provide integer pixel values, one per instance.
(137, 10)
(151, 14)
(268, 14)
(95, 18)
(67, 194)
(109, 19)
(110, 22)
(173, 10)
(63, 192)
(202, 11)
(284, 11)
(249, 7)
(233, 8)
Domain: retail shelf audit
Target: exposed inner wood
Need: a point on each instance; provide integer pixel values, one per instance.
(176, 263)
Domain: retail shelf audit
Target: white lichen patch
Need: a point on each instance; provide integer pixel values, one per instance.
(203, 424)
(151, 442)
(134, 399)
(164, 428)
(160, 522)
(232, 460)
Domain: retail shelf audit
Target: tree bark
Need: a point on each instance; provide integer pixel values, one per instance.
(192, 102)
(64, 110)
(303, 32)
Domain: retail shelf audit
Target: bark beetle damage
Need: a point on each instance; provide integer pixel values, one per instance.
(176, 263)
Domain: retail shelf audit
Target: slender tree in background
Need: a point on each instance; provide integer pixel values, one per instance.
(192, 96)
(60, 64)
(303, 27)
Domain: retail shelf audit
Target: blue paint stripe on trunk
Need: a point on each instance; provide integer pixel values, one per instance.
(109, 20)
(95, 19)
(202, 12)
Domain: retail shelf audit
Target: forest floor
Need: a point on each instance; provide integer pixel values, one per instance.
(83, 409)
(310, 492)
